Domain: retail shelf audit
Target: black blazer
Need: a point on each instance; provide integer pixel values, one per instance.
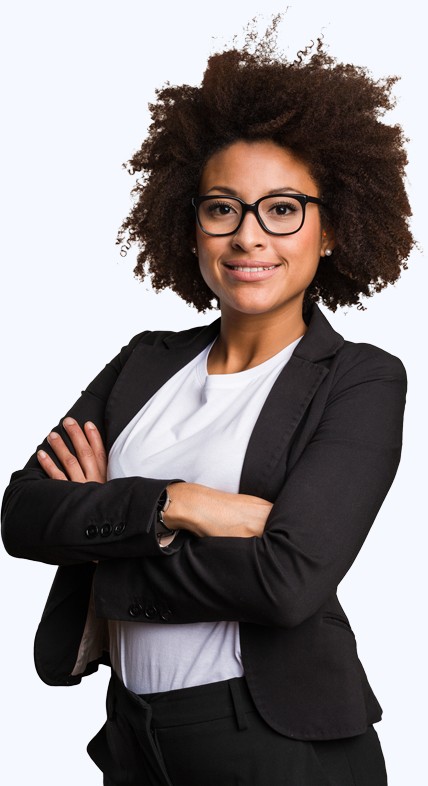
(325, 450)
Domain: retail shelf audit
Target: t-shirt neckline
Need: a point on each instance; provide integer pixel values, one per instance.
(241, 378)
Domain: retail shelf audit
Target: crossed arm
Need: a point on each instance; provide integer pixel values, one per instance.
(304, 543)
(54, 504)
(198, 509)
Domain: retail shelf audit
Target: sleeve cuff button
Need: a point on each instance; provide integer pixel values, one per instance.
(135, 610)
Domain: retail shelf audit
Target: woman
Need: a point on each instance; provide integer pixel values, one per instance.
(248, 459)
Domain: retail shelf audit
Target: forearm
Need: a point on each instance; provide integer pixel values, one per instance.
(65, 522)
(208, 512)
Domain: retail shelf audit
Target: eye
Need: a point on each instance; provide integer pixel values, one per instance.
(219, 208)
(283, 208)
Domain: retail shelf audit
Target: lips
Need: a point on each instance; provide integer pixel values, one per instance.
(247, 270)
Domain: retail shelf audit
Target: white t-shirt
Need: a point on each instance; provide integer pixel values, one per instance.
(196, 427)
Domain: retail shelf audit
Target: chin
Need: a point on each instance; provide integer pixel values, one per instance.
(250, 306)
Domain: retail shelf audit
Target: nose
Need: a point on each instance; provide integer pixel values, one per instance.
(250, 234)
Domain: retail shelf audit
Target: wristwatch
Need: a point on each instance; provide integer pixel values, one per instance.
(164, 502)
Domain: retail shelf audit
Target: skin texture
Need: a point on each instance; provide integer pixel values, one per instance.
(260, 316)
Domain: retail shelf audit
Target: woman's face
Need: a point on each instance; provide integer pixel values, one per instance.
(251, 170)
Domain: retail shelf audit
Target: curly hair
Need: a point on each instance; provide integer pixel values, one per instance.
(326, 113)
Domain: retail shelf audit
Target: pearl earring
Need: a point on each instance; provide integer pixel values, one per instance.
(328, 252)
(194, 251)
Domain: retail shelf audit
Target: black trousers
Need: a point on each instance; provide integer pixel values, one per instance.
(213, 735)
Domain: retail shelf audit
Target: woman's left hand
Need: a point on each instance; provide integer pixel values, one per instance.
(90, 462)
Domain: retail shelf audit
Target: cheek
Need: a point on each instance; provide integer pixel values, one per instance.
(203, 270)
(206, 268)
(209, 251)
(303, 248)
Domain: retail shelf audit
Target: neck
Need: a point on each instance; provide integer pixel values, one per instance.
(246, 340)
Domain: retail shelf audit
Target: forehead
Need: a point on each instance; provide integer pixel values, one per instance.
(252, 169)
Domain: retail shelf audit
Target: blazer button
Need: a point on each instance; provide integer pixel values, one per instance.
(118, 528)
(165, 615)
(91, 531)
(150, 612)
(135, 610)
(106, 530)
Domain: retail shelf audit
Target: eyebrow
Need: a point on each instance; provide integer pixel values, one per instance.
(232, 192)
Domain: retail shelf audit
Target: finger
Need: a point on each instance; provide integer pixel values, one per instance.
(97, 445)
(49, 466)
(69, 462)
(84, 451)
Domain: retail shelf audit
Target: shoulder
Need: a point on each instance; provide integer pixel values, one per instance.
(368, 386)
(202, 334)
(154, 337)
(366, 359)
(353, 361)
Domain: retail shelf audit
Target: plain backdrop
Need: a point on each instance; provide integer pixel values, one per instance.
(77, 78)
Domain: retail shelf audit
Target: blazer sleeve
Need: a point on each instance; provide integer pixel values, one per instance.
(316, 527)
(65, 523)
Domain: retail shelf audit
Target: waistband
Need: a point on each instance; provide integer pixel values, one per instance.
(194, 705)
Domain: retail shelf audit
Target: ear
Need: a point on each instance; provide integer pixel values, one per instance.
(328, 241)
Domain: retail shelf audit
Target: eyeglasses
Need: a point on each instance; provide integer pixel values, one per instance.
(277, 214)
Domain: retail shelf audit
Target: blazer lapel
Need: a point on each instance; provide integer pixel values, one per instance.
(285, 406)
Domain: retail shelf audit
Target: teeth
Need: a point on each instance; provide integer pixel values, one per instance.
(250, 269)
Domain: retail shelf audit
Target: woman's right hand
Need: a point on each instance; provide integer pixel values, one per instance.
(90, 461)
(208, 512)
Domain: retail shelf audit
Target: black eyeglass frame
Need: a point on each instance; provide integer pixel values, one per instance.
(253, 207)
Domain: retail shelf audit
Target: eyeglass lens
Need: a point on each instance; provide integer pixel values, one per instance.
(279, 214)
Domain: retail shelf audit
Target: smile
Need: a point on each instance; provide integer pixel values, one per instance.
(250, 269)
(252, 272)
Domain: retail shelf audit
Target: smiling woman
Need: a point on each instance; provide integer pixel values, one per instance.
(210, 489)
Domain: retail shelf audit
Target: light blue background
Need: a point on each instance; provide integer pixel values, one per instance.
(78, 77)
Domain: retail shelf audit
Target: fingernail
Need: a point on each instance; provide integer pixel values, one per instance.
(42, 454)
(53, 435)
(89, 424)
(68, 422)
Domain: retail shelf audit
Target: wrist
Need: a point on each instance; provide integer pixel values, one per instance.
(170, 509)
(178, 514)
(163, 504)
